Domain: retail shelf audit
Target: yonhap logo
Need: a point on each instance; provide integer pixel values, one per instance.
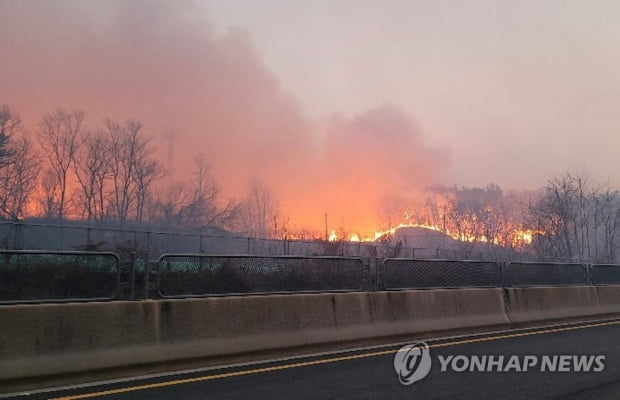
(412, 363)
(524, 363)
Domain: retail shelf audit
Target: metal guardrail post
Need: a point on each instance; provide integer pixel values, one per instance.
(16, 236)
(146, 280)
(379, 274)
(132, 277)
(147, 268)
(502, 275)
(367, 281)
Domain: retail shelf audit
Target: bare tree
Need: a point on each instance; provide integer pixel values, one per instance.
(147, 170)
(18, 166)
(48, 196)
(18, 177)
(259, 214)
(204, 210)
(607, 213)
(92, 170)
(10, 124)
(169, 206)
(123, 157)
(197, 205)
(60, 138)
(133, 170)
(567, 218)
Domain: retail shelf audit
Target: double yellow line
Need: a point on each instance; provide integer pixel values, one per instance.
(324, 361)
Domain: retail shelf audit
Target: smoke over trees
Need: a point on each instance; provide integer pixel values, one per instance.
(260, 214)
(572, 218)
(576, 218)
(196, 204)
(111, 174)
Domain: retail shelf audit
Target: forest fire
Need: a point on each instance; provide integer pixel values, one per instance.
(376, 168)
(515, 238)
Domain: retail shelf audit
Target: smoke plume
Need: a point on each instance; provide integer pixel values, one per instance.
(198, 89)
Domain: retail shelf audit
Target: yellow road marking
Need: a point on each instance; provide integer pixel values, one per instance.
(319, 362)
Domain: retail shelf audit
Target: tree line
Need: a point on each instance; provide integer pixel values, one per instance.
(111, 174)
(571, 218)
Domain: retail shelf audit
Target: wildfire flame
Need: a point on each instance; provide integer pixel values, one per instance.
(519, 236)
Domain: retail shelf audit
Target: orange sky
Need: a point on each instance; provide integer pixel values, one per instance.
(326, 140)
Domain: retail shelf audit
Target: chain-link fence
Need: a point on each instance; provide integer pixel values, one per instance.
(28, 276)
(37, 276)
(545, 274)
(200, 275)
(125, 240)
(412, 273)
(605, 274)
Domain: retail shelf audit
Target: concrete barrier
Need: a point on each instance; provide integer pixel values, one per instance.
(38, 340)
(609, 299)
(534, 304)
(54, 339)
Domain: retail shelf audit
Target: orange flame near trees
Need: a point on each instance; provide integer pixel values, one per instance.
(466, 215)
(518, 237)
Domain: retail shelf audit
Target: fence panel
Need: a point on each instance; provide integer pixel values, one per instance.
(545, 274)
(33, 276)
(605, 274)
(212, 275)
(400, 273)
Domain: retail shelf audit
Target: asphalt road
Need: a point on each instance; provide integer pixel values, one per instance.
(370, 374)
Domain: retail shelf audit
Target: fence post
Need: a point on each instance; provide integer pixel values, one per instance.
(500, 266)
(503, 274)
(132, 277)
(200, 249)
(378, 275)
(16, 236)
(147, 267)
(248, 245)
(372, 269)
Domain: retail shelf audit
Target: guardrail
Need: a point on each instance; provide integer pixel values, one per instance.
(36, 276)
(43, 276)
(199, 275)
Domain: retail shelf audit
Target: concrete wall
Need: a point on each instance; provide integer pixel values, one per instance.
(40, 340)
(543, 303)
